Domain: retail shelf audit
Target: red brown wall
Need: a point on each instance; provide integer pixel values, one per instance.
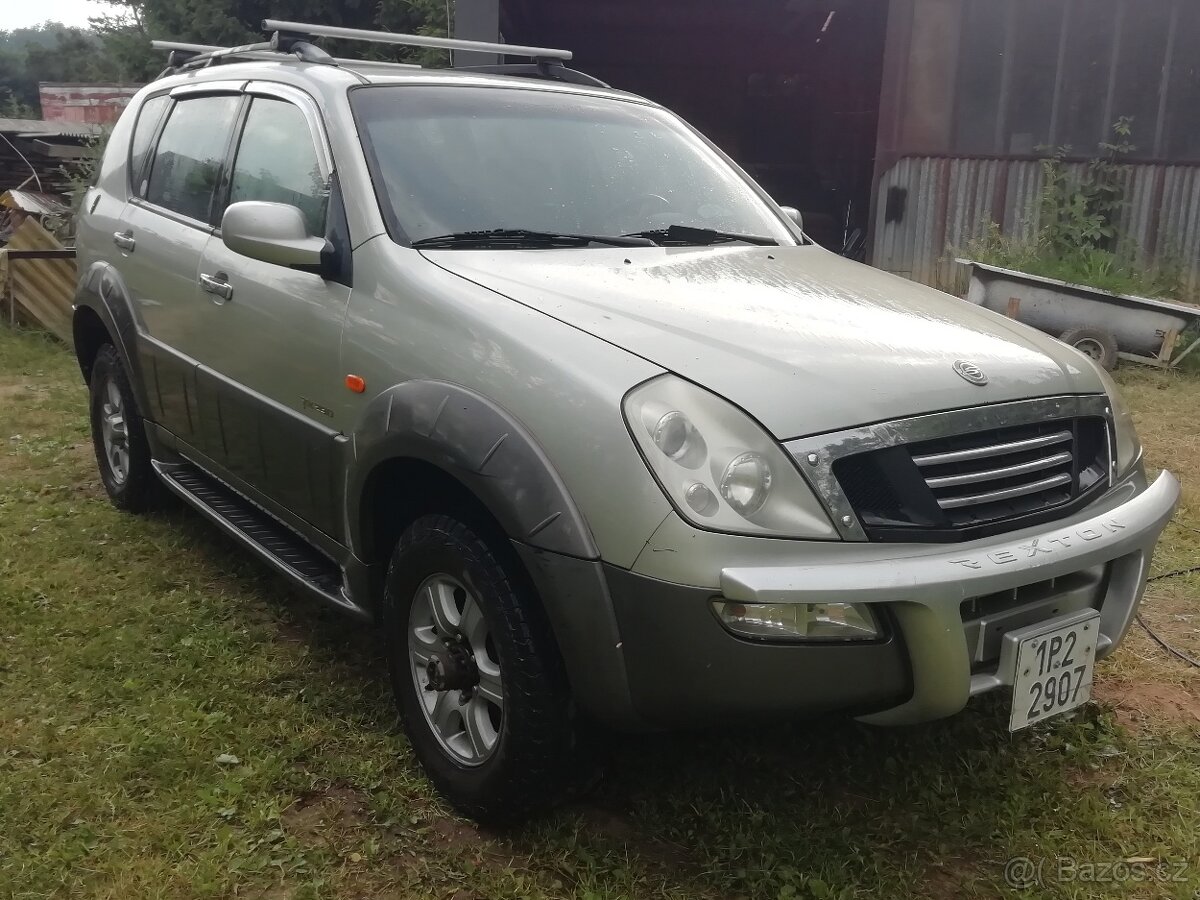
(97, 104)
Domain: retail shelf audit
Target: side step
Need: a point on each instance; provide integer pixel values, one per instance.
(267, 537)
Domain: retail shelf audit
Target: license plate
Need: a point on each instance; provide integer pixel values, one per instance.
(1054, 669)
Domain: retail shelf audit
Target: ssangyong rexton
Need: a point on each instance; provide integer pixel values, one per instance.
(529, 374)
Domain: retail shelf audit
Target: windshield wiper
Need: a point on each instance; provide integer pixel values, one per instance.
(687, 235)
(524, 238)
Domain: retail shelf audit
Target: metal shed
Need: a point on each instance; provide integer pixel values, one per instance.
(917, 121)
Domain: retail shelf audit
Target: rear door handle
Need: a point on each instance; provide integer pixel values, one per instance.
(124, 240)
(218, 285)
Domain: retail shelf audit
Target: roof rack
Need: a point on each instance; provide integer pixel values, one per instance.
(184, 52)
(296, 39)
(303, 31)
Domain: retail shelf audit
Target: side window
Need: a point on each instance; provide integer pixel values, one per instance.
(191, 152)
(277, 162)
(143, 132)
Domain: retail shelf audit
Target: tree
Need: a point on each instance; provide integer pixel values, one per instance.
(117, 45)
(127, 33)
(48, 52)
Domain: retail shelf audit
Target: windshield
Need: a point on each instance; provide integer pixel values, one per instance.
(448, 160)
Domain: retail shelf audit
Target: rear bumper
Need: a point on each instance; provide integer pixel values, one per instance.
(642, 652)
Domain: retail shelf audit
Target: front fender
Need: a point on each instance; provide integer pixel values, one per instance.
(487, 449)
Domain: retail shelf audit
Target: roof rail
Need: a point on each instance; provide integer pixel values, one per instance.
(302, 31)
(190, 56)
(552, 71)
(188, 52)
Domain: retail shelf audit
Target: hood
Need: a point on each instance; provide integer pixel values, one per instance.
(802, 339)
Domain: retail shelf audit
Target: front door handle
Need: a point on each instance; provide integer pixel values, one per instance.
(218, 285)
(124, 240)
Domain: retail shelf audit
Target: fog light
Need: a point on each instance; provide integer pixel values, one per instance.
(798, 621)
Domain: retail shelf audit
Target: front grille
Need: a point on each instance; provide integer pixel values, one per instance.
(971, 485)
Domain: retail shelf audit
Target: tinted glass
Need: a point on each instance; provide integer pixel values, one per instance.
(139, 146)
(187, 163)
(277, 162)
(453, 159)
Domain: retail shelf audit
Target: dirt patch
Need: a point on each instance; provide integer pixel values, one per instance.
(291, 633)
(456, 834)
(314, 816)
(1139, 705)
(8, 391)
(1092, 778)
(614, 828)
(947, 880)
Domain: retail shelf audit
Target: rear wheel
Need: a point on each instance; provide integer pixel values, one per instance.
(476, 672)
(1096, 343)
(119, 436)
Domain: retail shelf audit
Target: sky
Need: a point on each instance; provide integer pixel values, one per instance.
(22, 14)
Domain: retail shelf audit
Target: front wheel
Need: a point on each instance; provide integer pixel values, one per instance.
(476, 673)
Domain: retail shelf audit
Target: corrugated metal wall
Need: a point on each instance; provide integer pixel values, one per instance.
(929, 208)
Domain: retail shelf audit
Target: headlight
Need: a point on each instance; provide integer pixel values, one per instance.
(719, 468)
(1129, 448)
(798, 621)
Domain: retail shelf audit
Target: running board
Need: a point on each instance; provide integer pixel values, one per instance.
(268, 538)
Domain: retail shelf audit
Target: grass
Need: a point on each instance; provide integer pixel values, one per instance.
(173, 723)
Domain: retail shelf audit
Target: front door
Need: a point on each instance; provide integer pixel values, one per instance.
(272, 334)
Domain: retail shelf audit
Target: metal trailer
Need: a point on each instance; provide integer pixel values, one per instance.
(1105, 326)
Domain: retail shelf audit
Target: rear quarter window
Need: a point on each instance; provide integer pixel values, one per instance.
(148, 118)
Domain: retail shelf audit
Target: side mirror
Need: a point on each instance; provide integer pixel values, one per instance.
(272, 232)
(794, 214)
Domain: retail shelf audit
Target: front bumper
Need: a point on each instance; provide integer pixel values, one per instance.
(926, 592)
(644, 652)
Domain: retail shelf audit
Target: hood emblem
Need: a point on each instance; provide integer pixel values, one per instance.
(970, 372)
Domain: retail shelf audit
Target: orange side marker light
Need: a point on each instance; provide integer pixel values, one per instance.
(356, 383)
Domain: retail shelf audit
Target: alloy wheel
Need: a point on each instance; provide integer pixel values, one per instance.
(114, 431)
(455, 669)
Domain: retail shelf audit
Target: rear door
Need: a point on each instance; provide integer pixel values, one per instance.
(177, 157)
(271, 334)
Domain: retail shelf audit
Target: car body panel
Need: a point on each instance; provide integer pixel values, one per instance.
(410, 321)
(803, 340)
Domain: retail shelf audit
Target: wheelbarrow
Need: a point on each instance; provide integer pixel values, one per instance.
(1107, 327)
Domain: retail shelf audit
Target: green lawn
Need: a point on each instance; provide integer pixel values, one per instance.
(173, 723)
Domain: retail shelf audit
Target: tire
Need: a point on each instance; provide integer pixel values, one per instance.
(1095, 343)
(535, 759)
(119, 437)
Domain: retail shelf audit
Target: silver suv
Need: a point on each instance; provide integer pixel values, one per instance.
(529, 374)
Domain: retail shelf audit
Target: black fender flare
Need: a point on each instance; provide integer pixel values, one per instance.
(481, 445)
(102, 290)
